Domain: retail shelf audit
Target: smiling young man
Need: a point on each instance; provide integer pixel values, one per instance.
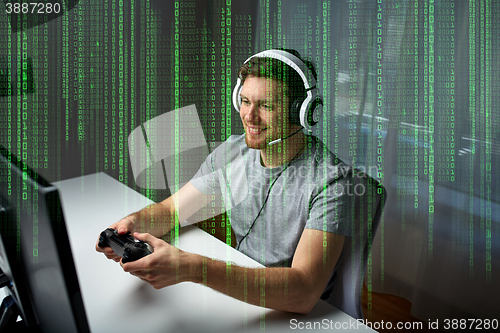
(265, 118)
(290, 220)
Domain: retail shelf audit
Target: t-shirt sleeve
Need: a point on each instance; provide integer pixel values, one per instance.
(331, 207)
(223, 174)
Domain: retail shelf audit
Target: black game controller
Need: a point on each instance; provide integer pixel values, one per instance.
(125, 246)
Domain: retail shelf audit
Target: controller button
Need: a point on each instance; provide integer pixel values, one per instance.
(102, 240)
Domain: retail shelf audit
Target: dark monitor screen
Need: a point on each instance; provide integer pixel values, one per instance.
(35, 254)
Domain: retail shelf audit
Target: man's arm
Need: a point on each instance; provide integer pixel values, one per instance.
(294, 289)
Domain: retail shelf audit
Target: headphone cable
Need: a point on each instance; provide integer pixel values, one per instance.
(267, 197)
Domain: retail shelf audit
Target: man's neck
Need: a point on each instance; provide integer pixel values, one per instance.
(284, 151)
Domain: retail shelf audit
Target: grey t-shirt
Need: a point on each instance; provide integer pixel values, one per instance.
(313, 192)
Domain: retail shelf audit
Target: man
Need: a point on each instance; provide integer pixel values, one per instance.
(293, 218)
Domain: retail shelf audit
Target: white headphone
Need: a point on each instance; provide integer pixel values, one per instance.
(305, 112)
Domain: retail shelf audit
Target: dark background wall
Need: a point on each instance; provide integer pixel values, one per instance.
(105, 67)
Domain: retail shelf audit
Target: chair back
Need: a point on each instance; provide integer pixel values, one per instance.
(368, 197)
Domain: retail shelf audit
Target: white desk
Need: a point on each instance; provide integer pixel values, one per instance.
(116, 301)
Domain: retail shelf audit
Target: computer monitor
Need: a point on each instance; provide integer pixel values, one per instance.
(35, 255)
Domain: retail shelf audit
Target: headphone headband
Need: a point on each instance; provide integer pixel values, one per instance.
(292, 61)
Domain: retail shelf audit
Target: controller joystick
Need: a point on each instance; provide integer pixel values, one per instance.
(125, 246)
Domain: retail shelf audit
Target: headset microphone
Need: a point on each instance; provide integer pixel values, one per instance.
(279, 140)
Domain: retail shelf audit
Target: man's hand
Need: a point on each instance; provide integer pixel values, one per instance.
(123, 226)
(160, 218)
(161, 268)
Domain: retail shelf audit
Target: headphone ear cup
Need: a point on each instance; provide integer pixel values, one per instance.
(315, 111)
(294, 113)
(236, 95)
(238, 100)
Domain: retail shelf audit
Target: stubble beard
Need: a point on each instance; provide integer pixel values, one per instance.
(253, 144)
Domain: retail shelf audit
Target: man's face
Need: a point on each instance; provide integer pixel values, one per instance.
(264, 111)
